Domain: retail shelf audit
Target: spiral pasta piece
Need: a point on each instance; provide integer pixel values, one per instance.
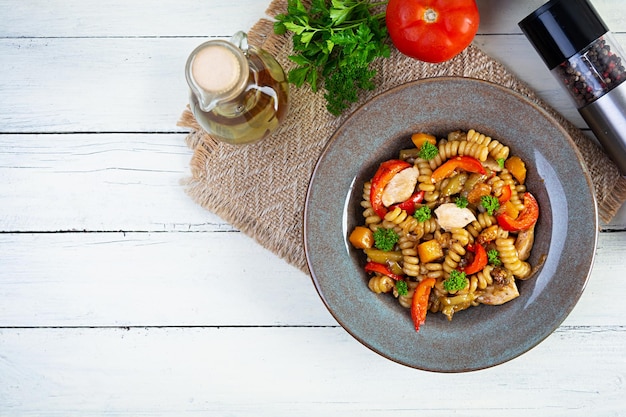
(459, 239)
(460, 235)
(405, 300)
(431, 198)
(424, 170)
(444, 239)
(474, 149)
(449, 149)
(495, 148)
(508, 179)
(445, 152)
(381, 284)
(394, 219)
(431, 270)
(483, 221)
(510, 258)
(410, 260)
(430, 226)
(410, 226)
(497, 184)
(483, 278)
(371, 218)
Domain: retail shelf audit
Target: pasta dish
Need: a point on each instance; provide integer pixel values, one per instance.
(448, 225)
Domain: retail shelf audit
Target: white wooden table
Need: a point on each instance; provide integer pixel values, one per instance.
(120, 296)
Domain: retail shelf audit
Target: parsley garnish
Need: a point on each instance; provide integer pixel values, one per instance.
(456, 281)
(490, 203)
(422, 214)
(402, 288)
(385, 239)
(500, 162)
(461, 202)
(428, 151)
(334, 45)
(494, 257)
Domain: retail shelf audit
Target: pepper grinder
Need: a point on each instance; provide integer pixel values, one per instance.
(583, 56)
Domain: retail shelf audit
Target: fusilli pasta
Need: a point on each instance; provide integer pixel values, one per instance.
(464, 250)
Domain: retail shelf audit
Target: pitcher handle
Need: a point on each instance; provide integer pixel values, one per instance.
(240, 39)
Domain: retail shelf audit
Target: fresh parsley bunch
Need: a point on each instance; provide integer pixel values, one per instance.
(334, 43)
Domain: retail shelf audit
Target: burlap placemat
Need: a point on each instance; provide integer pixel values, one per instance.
(261, 188)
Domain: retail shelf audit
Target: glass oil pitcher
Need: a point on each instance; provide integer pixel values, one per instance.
(239, 94)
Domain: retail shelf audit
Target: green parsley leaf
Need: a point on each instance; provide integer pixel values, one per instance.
(280, 28)
(295, 28)
(461, 202)
(493, 257)
(500, 162)
(456, 281)
(385, 239)
(428, 151)
(345, 84)
(402, 288)
(299, 75)
(422, 214)
(334, 43)
(490, 203)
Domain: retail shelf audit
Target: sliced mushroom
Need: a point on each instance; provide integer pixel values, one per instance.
(501, 276)
(497, 295)
(488, 234)
(524, 242)
(492, 164)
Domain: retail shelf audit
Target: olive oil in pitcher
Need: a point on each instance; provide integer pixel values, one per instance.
(239, 94)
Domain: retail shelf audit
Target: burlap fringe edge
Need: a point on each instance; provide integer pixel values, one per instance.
(612, 202)
(224, 209)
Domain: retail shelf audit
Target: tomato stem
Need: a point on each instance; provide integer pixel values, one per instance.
(430, 16)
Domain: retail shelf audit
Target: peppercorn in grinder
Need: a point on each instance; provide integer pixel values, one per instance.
(584, 57)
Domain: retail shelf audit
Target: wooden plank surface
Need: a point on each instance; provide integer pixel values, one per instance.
(124, 19)
(172, 18)
(117, 85)
(280, 371)
(98, 182)
(104, 182)
(197, 278)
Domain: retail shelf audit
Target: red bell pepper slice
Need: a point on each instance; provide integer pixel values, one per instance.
(419, 304)
(409, 205)
(381, 269)
(505, 195)
(524, 220)
(463, 162)
(381, 178)
(480, 259)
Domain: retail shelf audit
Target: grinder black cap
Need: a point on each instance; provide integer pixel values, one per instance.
(561, 28)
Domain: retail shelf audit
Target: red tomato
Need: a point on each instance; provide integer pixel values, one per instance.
(432, 30)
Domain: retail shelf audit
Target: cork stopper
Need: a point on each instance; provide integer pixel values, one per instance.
(216, 69)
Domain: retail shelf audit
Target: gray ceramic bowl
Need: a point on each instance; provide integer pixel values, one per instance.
(566, 232)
